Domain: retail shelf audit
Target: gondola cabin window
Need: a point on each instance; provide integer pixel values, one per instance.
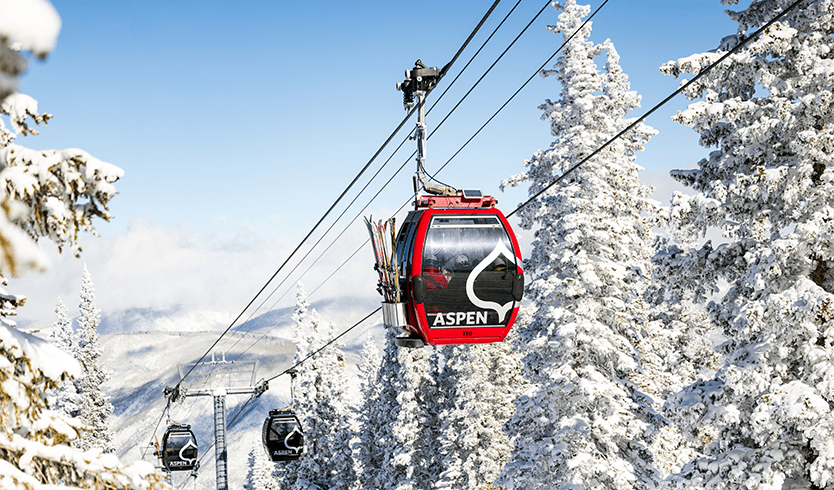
(469, 268)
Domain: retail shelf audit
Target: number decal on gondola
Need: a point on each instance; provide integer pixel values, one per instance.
(501, 310)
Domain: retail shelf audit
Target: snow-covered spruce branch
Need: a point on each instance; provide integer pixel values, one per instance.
(61, 189)
(64, 465)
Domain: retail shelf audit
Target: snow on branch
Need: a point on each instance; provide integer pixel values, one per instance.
(62, 191)
(34, 439)
(18, 251)
(19, 107)
(31, 25)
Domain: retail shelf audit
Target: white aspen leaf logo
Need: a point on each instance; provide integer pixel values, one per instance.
(500, 309)
(300, 438)
(190, 443)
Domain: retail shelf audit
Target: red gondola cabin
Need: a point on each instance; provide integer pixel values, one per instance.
(460, 272)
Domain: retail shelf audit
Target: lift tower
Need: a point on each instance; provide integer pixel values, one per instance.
(218, 378)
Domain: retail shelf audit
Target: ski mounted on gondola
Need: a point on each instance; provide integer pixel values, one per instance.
(382, 241)
(453, 273)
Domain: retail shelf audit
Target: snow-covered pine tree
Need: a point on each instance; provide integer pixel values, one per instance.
(341, 467)
(47, 193)
(413, 462)
(61, 334)
(261, 468)
(34, 27)
(287, 473)
(400, 432)
(370, 428)
(584, 423)
(375, 426)
(34, 440)
(94, 407)
(677, 296)
(43, 190)
(66, 397)
(767, 185)
(321, 404)
(681, 335)
(42, 195)
(480, 382)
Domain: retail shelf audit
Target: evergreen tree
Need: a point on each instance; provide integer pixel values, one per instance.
(287, 474)
(51, 194)
(94, 407)
(677, 295)
(66, 397)
(337, 413)
(412, 463)
(34, 440)
(370, 430)
(61, 334)
(400, 429)
(481, 382)
(584, 423)
(320, 402)
(380, 408)
(47, 193)
(766, 414)
(681, 334)
(261, 468)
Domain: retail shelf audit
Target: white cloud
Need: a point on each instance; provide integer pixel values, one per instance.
(664, 186)
(159, 268)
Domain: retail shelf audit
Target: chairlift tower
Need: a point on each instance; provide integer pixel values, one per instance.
(218, 378)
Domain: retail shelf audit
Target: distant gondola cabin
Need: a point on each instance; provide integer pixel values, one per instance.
(179, 449)
(283, 436)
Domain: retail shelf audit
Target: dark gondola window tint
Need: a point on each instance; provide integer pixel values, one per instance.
(454, 247)
(404, 239)
(278, 431)
(178, 446)
(405, 263)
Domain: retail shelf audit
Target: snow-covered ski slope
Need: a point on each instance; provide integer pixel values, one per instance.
(143, 363)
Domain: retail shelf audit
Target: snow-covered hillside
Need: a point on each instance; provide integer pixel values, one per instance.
(194, 318)
(143, 363)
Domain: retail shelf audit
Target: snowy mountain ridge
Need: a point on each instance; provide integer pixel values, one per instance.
(144, 363)
(192, 318)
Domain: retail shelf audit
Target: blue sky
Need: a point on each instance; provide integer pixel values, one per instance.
(238, 124)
